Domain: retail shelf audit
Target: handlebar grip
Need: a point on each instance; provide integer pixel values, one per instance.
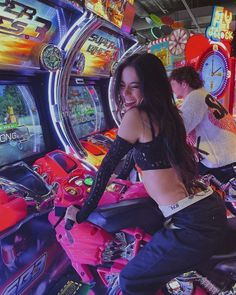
(69, 224)
(217, 182)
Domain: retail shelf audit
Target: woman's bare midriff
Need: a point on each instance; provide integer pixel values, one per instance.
(164, 186)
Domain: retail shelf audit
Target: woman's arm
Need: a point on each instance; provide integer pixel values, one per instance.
(119, 148)
(128, 165)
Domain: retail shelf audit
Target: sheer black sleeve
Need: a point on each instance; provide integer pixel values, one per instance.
(117, 151)
(128, 166)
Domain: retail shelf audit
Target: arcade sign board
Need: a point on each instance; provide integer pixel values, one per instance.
(25, 26)
(219, 29)
(112, 11)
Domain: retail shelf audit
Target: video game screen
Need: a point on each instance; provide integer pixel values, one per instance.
(85, 110)
(20, 129)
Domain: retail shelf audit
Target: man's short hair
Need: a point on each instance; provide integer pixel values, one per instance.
(188, 75)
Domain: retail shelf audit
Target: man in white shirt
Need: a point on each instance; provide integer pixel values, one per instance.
(210, 128)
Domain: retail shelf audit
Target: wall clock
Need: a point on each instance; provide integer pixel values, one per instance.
(214, 70)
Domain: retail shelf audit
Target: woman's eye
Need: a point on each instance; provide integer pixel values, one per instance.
(129, 88)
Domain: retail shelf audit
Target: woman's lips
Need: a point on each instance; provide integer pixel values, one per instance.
(130, 104)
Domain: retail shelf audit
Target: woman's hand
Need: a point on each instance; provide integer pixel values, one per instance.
(71, 213)
(112, 178)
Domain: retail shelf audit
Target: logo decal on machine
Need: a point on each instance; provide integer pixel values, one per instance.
(21, 20)
(26, 278)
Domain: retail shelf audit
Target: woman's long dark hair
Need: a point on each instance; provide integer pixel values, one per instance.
(159, 102)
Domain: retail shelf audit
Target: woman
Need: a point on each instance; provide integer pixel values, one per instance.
(153, 128)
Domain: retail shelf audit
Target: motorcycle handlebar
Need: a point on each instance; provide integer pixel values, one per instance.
(222, 185)
(69, 222)
(217, 182)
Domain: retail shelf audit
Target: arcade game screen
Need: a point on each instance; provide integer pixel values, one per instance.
(20, 130)
(85, 110)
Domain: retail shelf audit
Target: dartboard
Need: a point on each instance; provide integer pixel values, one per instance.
(177, 41)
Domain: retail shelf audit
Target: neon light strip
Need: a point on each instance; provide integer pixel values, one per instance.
(56, 78)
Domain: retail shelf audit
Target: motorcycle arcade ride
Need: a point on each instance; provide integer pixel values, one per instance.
(27, 240)
(121, 225)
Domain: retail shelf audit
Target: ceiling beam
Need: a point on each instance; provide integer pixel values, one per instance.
(191, 15)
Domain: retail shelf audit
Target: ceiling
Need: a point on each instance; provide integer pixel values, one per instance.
(194, 14)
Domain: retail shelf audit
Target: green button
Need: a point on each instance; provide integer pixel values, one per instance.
(88, 180)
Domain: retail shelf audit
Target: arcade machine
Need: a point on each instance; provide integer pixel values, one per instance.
(29, 33)
(213, 60)
(78, 92)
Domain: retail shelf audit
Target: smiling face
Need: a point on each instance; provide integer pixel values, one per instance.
(130, 88)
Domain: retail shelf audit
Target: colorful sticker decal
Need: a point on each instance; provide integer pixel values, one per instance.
(128, 18)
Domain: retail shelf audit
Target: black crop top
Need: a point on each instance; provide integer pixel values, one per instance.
(148, 156)
(151, 155)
